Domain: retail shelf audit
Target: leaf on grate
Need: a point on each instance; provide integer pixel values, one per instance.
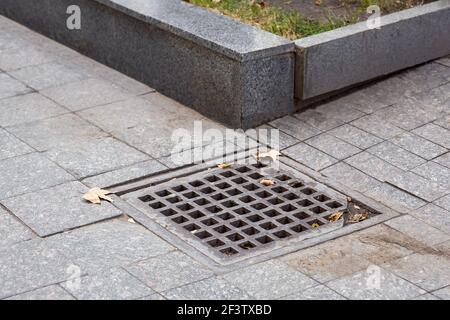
(223, 165)
(95, 195)
(267, 182)
(315, 225)
(335, 216)
(358, 217)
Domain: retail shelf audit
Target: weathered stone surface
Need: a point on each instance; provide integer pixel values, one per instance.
(85, 94)
(355, 136)
(352, 178)
(430, 75)
(395, 155)
(11, 146)
(373, 166)
(417, 145)
(444, 160)
(435, 216)
(333, 146)
(58, 209)
(296, 128)
(444, 202)
(376, 126)
(169, 271)
(434, 172)
(443, 293)
(10, 87)
(317, 293)
(435, 133)
(29, 173)
(209, 289)
(11, 230)
(27, 108)
(53, 292)
(286, 139)
(309, 156)
(116, 284)
(269, 280)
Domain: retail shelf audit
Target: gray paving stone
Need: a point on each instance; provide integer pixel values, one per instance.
(375, 125)
(427, 296)
(434, 133)
(393, 197)
(395, 155)
(55, 132)
(350, 177)
(373, 166)
(444, 202)
(444, 122)
(355, 136)
(169, 271)
(436, 100)
(443, 160)
(209, 289)
(10, 87)
(444, 60)
(125, 174)
(88, 157)
(417, 145)
(427, 76)
(29, 173)
(85, 94)
(155, 296)
(11, 230)
(375, 284)
(269, 280)
(117, 284)
(435, 216)
(317, 293)
(327, 261)
(145, 128)
(418, 230)
(102, 246)
(27, 108)
(266, 138)
(418, 186)
(58, 209)
(11, 146)
(294, 127)
(309, 156)
(434, 172)
(53, 292)
(31, 265)
(426, 270)
(340, 110)
(443, 293)
(333, 146)
(19, 56)
(47, 75)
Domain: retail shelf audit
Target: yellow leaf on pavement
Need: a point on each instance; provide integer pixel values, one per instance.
(95, 195)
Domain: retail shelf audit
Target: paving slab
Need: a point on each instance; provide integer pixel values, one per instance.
(10, 87)
(328, 261)
(443, 160)
(20, 56)
(214, 288)
(434, 172)
(418, 230)
(355, 136)
(417, 145)
(29, 173)
(435, 100)
(435, 134)
(169, 271)
(445, 61)
(27, 108)
(426, 270)
(296, 128)
(152, 297)
(418, 186)
(88, 157)
(309, 156)
(395, 155)
(427, 296)
(427, 76)
(444, 202)
(317, 293)
(58, 209)
(375, 284)
(394, 197)
(443, 293)
(86, 94)
(320, 120)
(444, 122)
(128, 173)
(333, 146)
(55, 132)
(102, 246)
(434, 216)
(47, 75)
(349, 176)
(373, 166)
(269, 280)
(285, 139)
(12, 230)
(10, 146)
(31, 265)
(117, 284)
(53, 292)
(375, 125)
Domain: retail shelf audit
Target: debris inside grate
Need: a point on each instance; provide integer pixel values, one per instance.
(230, 211)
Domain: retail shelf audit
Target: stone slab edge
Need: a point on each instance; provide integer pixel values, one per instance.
(341, 58)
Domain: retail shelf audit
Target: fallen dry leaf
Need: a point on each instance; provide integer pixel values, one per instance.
(267, 182)
(318, 2)
(130, 220)
(335, 216)
(272, 154)
(223, 165)
(358, 217)
(95, 195)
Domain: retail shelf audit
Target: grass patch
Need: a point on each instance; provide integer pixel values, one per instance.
(291, 24)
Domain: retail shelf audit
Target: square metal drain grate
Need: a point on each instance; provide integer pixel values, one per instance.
(232, 213)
